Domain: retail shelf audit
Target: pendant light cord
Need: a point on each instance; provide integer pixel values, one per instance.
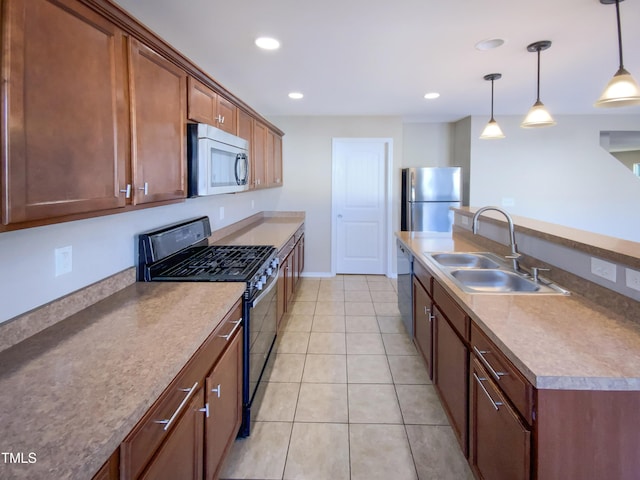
(492, 120)
(538, 93)
(619, 32)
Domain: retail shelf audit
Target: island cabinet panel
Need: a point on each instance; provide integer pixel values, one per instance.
(158, 112)
(500, 443)
(224, 404)
(291, 258)
(64, 113)
(451, 376)
(587, 434)
(423, 323)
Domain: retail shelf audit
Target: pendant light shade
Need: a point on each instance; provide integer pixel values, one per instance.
(492, 130)
(622, 90)
(538, 115)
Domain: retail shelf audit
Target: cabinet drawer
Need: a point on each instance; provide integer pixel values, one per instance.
(143, 441)
(448, 306)
(422, 274)
(503, 372)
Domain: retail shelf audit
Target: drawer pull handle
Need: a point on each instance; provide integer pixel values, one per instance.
(494, 374)
(479, 380)
(230, 334)
(217, 390)
(190, 391)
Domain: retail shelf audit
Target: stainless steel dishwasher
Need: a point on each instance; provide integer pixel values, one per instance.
(405, 289)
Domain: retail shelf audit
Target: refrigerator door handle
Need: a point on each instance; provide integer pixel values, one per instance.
(412, 182)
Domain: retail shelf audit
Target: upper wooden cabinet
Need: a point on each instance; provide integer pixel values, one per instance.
(158, 126)
(64, 124)
(206, 106)
(266, 157)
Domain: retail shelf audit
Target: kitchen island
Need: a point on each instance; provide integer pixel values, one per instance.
(578, 364)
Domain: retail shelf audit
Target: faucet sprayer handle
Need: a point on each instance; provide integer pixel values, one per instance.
(536, 270)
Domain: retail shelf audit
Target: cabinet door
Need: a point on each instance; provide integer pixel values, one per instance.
(277, 160)
(201, 102)
(181, 455)
(282, 291)
(500, 443)
(224, 397)
(451, 376)
(259, 154)
(273, 160)
(226, 115)
(158, 126)
(423, 324)
(64, 118)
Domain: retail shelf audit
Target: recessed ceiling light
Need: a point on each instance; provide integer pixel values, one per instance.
(431, 95)
(296, 95)
(267, 43)
(489, 44)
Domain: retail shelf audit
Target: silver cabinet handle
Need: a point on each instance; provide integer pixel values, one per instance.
(127, 191)
(494, 403)
(205, 409)
(230, 334)
(144, 189)
(427, 311)
(217, 390)
(190, 392)
(494, 374)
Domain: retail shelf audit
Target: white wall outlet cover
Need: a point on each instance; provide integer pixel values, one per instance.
(64, 260)
(465, 220)
(603, 269)
(221, 213)
(632, 278)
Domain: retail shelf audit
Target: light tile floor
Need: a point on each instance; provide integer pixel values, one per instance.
(346, 395)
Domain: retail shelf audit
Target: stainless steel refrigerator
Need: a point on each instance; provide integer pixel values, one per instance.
(427, 194)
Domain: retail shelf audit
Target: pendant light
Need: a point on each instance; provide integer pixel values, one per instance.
(622, 90)
(538, 115)
(492, 130)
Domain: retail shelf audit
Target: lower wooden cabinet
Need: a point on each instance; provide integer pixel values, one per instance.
(500, 443)
(423, 323)
(224, 405)
(181, 455)
(291, 265)
(188, 431)
(451, 376)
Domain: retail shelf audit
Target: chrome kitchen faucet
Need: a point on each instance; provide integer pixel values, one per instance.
(515, 256)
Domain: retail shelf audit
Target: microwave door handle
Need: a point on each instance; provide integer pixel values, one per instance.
(242, 169)
(237, 165)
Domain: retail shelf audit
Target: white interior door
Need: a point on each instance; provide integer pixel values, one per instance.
(359, 205)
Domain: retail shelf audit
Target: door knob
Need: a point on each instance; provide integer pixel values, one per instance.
(339, 216)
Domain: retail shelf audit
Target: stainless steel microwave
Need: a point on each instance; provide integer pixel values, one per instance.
(218, 162)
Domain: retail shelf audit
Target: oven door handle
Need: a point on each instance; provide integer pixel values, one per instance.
(274, 282)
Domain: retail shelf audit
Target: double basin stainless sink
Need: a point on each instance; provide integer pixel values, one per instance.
(483, 272)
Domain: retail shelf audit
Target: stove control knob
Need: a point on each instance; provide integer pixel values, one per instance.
(263, 279)
(269, 271)
(258, 285)
(275, 262)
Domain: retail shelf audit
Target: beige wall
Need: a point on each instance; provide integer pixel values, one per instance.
(558, 174)
(307, 173)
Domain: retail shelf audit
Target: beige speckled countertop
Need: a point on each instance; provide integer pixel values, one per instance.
(557, 342)
(273, 230)
(72, 392)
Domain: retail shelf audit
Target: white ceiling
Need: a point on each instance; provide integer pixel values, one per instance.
(379, 57)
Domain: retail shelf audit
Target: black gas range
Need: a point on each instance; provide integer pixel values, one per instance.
(181, 253)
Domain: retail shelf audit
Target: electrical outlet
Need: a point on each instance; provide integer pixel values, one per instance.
(465, 220)
(603, 269)
(633, 278)
(64, 260)
(221, 213)
(508, 202)
(253, 205)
